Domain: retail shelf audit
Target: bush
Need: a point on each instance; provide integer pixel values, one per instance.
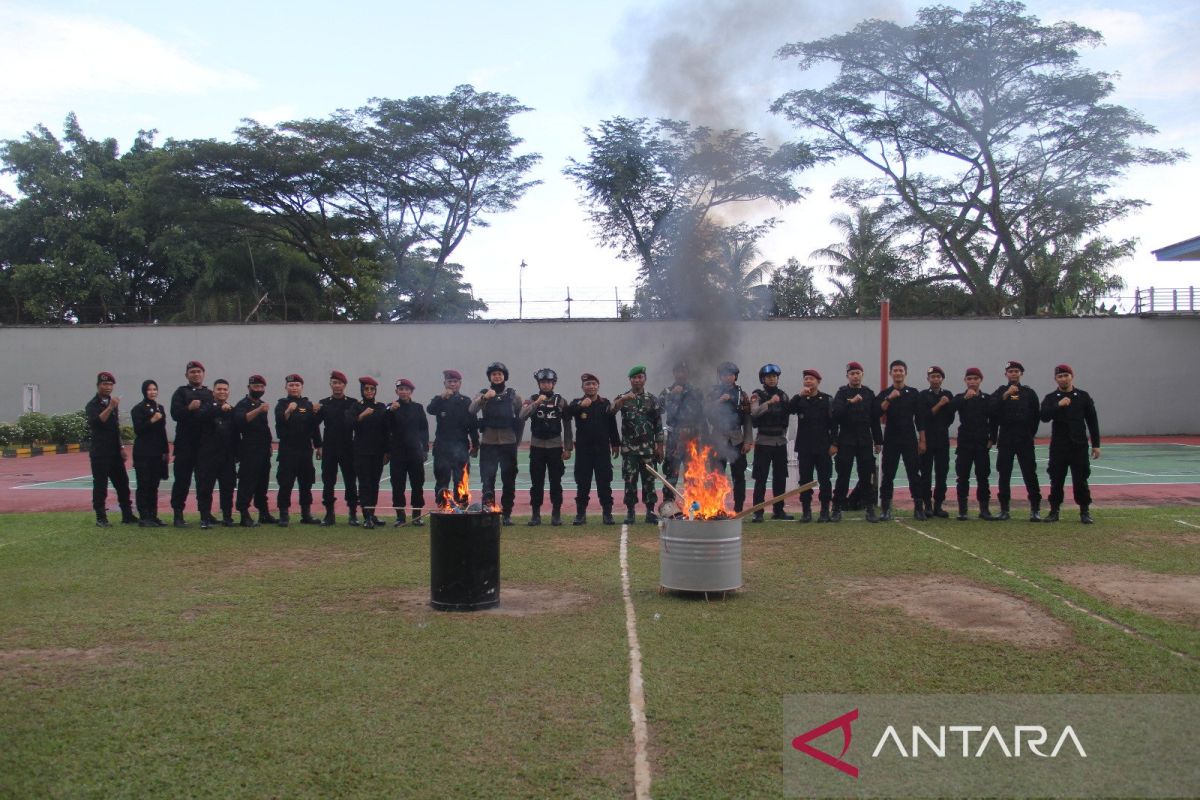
(69, 428)
(9, 434)
(126, 434)
(34, 427)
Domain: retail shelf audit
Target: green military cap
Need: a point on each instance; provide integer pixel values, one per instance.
(638, 370)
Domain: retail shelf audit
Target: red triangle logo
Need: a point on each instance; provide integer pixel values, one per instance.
(801, 743)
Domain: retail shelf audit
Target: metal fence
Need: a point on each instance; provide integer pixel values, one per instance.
(1166, 301)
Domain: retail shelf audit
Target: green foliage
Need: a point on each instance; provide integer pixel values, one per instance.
(68, 428)
(34, 427)
(794, 293)
(126, 433)
(9, 434)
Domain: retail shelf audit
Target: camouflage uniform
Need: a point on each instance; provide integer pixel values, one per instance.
(683, 416)
(641, 431)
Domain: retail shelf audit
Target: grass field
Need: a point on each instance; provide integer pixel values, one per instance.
(302, 662)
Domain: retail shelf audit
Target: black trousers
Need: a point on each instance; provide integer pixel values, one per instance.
(1023, 452)
(893, 454)
(822, 464)
(861, 456)
(368, 471)
(593, 462)
(106, 468)
(295, 466)
(770, 459)
(935, 465)
(737, 477)
(407, 470)
(212, 472)
(543, 461)
(331, 462)
(448, 466)
(149, 476)
(184, 469)
(1077, 461)
(967, 457)
(500, 458)
(254, 475)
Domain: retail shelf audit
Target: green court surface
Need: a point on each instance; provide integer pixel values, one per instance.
(1120, 465)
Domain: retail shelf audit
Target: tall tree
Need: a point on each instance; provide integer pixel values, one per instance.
(794, 292)
(652, 190)
(984, 127)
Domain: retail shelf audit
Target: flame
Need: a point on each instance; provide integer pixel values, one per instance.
(461, 498)
(704, 488)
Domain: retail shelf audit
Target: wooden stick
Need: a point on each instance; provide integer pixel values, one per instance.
(665, 482)
(802, 488)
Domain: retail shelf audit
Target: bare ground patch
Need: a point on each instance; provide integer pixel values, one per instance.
(1187, 538)
(954, 604)
(515, 601)
(55, 666)
(584, 545)
(1169, 596)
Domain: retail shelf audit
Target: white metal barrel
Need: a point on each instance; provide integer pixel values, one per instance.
(701, 555)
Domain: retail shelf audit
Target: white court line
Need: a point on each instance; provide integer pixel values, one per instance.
(60, 480)
(1190, 525)
(1128, 631)
(637, 690)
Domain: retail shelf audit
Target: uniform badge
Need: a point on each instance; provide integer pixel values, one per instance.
(583, 415)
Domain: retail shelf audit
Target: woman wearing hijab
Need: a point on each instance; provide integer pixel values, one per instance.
(149, 453)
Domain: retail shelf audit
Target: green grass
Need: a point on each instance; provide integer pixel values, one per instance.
(280, 662)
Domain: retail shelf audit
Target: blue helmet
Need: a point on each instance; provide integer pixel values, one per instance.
(768, 369)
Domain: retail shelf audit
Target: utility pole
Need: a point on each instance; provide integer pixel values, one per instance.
(521, 291)
(568, 302)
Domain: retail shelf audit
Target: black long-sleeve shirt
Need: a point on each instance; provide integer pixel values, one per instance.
(150, 438)
(301, 431)
(408, 429)
(974, 418)
(937, 423)
(456, 425)
(218, 436)
(815, 429)
(904, 418)
(106, 434)
(336, 435)
(254, 435)
(187, 423)
(371, 433)
(594, 425)
(1016, 419)
(1073, 425)
(857, 423)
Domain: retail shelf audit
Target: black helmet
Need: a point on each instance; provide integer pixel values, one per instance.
(546, 374)
(728, 368)
(768, 369)
(497, 365)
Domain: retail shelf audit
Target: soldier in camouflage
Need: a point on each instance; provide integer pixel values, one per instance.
(683, 417)
(642, 442)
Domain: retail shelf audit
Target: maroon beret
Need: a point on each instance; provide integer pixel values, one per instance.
(293, 378)
(404, 382)
(338, 376)
(367, 380)
(1014, 365)
(105, 377)
(257, 379)
(587, 376)
(811, 372)
(973, 371)
(854, 365)
(937, 369)
(451, 375)
(192, 364)
(1064, 368)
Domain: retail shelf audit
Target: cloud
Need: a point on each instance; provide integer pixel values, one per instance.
(53, 55)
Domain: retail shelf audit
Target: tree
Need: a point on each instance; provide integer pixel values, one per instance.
(984, 128)
(794, 292)
(651, 190)
(1066, 278)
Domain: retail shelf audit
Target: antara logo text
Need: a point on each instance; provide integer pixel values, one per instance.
(944, 741)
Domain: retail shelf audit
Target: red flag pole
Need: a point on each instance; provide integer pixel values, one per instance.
(885, 318)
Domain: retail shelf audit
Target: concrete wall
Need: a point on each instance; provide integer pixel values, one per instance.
(1142, 372)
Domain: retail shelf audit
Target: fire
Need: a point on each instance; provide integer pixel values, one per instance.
(704, 488)
(461, 498)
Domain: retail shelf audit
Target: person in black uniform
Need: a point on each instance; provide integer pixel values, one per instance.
(903, 439)
(684, 420)
(859, 440)
(1072, 414)
(550, 445)
(336, 452)
(770, 415)
(216, 462)
(1014, 427)
(368, 420)
(299, 433)
(107, 456)
(935, 461)
(597, 442)
(150, 453)
(816, 434)
(254, 452)
(499, 407)
(728, 410)
(974, 408)
(456, 437)
(408, 435)
(185, 404)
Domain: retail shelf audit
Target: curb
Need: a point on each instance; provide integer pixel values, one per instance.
(38, 450)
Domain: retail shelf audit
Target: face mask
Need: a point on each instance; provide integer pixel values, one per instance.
(257, 395)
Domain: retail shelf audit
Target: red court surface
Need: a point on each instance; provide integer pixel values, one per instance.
(1168, 474)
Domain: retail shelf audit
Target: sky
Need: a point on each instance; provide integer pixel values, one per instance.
(194, 70)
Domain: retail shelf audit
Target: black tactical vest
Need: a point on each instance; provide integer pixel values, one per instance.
(546, 420)
(498, 412)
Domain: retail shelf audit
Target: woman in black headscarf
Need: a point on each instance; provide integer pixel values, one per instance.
(150, 453)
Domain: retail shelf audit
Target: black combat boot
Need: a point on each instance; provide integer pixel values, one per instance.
(886, 516)
(506, 520)
(651, 518)
(535, 518)
(226, 519)
(985, 511)
(306, 517)
(147, 519)
(418, 520)
(330, 518)
(630, 515)
(1053, 515)
(368, 522)
(962, 511)
(206, 522)
(939, 512)
(102, 520)
(782, 515)
(836, 516)
(247, 521)
(824, 515)
(806, 512)
(128, 517)
(282, 521)
(1003, 511)
(757, 516)
(580, 517)
(607, 515)
(180, 522)
(401, 519)
(1035, 505)
(1085, 516)
(872, 515)
(353, 520)
(265, 518)
(556, 516)
(919, 511)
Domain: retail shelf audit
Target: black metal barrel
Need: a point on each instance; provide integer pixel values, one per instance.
(464, 561)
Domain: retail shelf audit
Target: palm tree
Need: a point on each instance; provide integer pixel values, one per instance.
(866, 263)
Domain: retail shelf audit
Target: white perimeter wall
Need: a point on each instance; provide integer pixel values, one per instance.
(1142, 372)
